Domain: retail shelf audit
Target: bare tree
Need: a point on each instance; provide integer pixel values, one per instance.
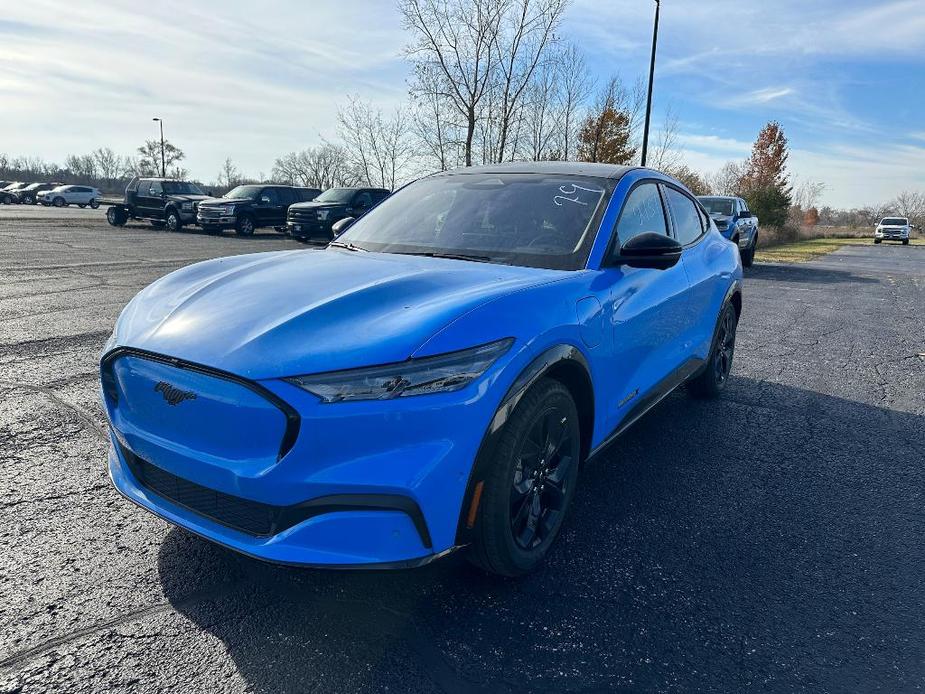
(81, 166)
(327, 166)
(434, 120)
(728, 180)
(380, 147)
(575, 87)
(457, 39)
(229, 176)
(911, 205)
(665, 153)
(149, 162)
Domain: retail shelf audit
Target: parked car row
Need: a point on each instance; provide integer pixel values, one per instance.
(304, 213)
(57, 194)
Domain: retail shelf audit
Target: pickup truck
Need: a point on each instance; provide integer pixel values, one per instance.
(165, 202)
(251, 207)
(312, 221)
(893, 229)
(734, 221)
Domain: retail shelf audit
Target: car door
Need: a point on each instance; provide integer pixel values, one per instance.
(701, 256)
(287, 196)
(149, 202)
(268, 207)
(647, 311)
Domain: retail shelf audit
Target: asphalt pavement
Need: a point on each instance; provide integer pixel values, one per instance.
(771, 540)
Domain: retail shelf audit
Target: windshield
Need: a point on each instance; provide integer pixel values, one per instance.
(33, 186)
(243, 193)
(894, 222)
(517, 219)
(720, 206)
(181, 188)
(336, 195)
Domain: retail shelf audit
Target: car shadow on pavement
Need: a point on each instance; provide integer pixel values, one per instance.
(769, 538)
(799, 272)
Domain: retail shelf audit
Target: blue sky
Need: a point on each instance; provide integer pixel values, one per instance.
(256, 80)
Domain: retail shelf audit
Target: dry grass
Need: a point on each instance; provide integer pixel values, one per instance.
(801, 251)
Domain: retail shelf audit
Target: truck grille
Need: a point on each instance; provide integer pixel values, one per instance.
(210, 212)
(302, 216)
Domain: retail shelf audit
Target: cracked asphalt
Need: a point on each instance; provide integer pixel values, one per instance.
(771, 540)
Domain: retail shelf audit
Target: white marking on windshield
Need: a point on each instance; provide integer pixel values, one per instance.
(573, 189)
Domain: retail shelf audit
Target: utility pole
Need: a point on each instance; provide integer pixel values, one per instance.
(163, 158)
(645, 136)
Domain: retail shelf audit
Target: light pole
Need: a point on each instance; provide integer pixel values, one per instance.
(163, 159)
(645, 135)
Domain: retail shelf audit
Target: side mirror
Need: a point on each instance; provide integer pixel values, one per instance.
(264, 200)
(340, 226)
(650, 250)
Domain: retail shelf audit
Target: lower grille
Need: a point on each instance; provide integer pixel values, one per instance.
(251, 517)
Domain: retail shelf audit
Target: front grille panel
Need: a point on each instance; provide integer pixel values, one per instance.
(243, 515)
(296, 215)
(210, 212)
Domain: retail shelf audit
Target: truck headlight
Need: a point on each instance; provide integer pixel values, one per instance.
(187, 205)
(440, 374)
(228, 210)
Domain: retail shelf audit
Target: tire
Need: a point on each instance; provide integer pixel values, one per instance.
(877, 240)
(173, 221)
(712, 380)
(6, 200)
(28, 200)
(94, 204)
(905, 242)
(530, 477)
(81, 205)
(116, 216)
(59, 202)
(748, 255)
(244, 226)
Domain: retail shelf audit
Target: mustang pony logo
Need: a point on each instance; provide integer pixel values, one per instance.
(172, 394)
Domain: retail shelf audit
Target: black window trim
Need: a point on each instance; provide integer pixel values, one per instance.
(612, 252)
(703, 232)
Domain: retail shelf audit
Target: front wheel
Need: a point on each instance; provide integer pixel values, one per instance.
(81, 205)
(711, 381)
(748, 255)
(905, 242)
(876, 240)
(59, 202)
(173, 221)
(530, 482)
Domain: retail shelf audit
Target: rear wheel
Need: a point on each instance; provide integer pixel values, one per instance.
(244, 226)
(81, 205)
(94, 204)
(877, 240)
(59, 202)
(905, 242)
(711, 381)
(530, 484)
(116, 216)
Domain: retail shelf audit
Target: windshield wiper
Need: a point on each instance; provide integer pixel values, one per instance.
(346, 244)
(452, 256)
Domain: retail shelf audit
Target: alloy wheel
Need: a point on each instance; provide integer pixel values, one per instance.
(541, 477)
(725, 347)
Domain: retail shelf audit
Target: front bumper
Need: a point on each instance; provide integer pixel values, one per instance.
(215, 221)
(365, 484)
(309, 230)
(891, 235)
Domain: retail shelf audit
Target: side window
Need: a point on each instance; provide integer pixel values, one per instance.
(363, 200)
(379, 196)
(687, 222)
(642, 212)
(306, 194)
(286, 196)
(271, 194)
(744, 206)
(704, 218)
(154, 189)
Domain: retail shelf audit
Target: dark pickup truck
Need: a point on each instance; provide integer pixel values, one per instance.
(312, 221)
(251, 207)
(161, 201)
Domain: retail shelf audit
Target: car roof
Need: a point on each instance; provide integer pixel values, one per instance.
(566, 168)
(719, 197)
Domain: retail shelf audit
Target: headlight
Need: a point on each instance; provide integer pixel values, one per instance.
(187, 205)
(441, 374)
(228, 209)
(323, 215)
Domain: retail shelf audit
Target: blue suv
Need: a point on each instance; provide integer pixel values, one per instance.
(431, 380)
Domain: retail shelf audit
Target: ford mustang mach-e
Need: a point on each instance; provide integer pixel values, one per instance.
(433, 379)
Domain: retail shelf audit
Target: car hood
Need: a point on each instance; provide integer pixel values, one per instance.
(312, 205)
(191, 198)
(295, 312)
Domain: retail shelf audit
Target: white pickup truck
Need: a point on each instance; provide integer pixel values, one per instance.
(893, 229)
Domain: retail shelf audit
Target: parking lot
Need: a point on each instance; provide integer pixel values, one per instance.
(770, 540)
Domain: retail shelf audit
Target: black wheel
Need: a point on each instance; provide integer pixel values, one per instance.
(877, 240)
(116, 216)
(711, 381)
(244, 226)
(905, 242)
(748, 255)
(81, 205)
(94, 204)
(59, 202)
(28, 200)
(7, 200)
(173, 221)
(530, 484)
